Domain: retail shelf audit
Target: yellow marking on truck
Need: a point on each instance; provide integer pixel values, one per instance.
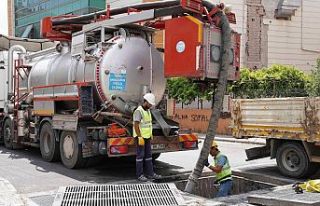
(187, 137)
(121, 141)
(43, 112)
(200, 27)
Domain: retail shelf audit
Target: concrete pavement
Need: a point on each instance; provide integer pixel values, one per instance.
(10, 197)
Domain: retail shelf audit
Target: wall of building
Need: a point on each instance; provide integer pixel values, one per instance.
(198, 120)
(254, 26)
(10, 17)
(30, 12)
(295, 41)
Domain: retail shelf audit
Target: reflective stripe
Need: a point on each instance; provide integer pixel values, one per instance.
(226, 169)
(145, 125)
(148, 159)
(139, 160)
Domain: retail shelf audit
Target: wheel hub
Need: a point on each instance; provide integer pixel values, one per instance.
(68, 147)
(291, 160)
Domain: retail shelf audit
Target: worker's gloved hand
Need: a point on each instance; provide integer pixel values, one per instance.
(140, 141)
(206, 163)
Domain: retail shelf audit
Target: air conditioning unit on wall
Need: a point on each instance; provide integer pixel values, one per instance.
(286, 9)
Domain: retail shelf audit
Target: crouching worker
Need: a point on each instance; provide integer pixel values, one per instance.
(222, 169)
(142, 131)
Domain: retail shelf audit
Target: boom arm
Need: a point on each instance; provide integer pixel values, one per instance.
(60, 28)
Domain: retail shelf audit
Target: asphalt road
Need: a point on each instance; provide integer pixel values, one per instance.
(28, 173)
(32, 176)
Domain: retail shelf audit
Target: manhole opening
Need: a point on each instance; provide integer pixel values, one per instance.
(206, 187)
(119, 195)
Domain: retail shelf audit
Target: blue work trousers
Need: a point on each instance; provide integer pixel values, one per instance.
(225, 188)
(144, 159)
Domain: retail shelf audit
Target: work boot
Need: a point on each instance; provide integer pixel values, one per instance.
(154, 177)
(142, 178)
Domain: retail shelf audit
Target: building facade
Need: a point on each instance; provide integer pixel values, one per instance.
(278, 32)
(28, 13)
(25, 15)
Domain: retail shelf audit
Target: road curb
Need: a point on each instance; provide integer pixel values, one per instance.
(9, 195)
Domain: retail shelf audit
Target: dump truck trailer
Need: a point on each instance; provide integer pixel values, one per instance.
(290, 126)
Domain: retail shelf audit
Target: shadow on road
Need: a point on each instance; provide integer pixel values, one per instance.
(274, 172)
(100, 170)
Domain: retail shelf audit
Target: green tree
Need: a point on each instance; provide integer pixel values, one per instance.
(182, 89)
(313, 87)
(275, 81)
(185, 91)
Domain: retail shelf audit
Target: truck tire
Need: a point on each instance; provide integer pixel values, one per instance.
(293, 161)
(71, 151)
(49, 147)
(8, 135)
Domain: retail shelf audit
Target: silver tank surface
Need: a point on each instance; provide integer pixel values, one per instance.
(126, 70)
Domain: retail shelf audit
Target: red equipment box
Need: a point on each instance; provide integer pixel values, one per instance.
(193, 50)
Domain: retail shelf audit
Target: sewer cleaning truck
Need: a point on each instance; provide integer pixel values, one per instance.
(291, 127)
(76, 100)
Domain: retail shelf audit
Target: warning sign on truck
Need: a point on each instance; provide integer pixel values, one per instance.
(117, 81)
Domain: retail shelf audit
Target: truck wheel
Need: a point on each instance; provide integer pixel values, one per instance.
(49, 147)
(71, 151)
(8, 135)
(292, 160)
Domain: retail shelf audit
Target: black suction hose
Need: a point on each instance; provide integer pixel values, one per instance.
(85, 19)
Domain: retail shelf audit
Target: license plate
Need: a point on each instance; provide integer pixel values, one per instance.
(158, 146)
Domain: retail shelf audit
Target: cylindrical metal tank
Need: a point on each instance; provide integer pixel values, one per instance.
(128, 68)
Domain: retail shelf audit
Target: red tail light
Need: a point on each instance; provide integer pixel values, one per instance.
(119, 149)
(190, 144)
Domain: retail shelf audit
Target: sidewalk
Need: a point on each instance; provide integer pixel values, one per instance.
(8, 194)
(10, 197)
(225, 138)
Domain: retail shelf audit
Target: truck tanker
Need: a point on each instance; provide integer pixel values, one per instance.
(75, 100)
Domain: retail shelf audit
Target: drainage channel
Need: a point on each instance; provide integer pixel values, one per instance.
(120, 195)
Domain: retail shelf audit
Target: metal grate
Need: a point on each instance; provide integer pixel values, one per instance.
(120, 195)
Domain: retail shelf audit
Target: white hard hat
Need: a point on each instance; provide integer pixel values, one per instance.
(150, 98)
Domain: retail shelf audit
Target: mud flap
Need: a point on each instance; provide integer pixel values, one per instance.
(257, 153)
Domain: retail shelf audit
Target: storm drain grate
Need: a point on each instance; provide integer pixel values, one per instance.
(119, 195)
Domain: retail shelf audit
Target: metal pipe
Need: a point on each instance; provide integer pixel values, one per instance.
(111, 114)
(15, 48)
(41, 53)
(116, 11)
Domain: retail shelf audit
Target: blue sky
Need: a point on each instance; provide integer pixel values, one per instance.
(3, 17)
